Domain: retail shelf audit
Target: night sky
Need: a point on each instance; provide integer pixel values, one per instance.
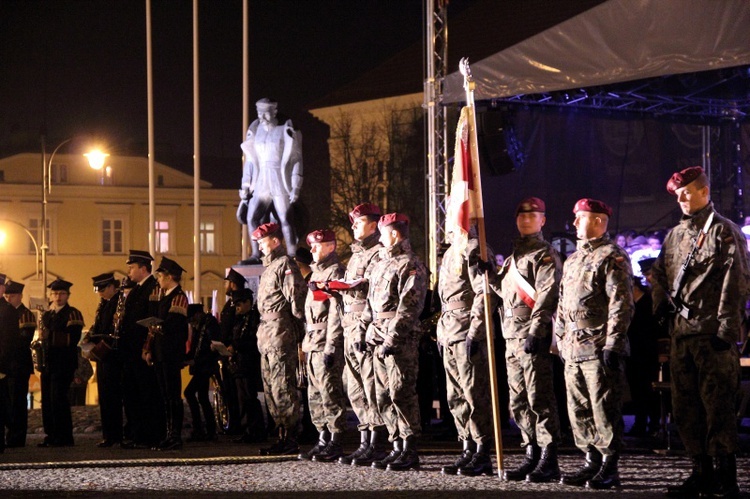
(78, 66)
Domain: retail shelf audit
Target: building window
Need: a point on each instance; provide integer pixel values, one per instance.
(162, 236)
(2, 175)
(59, 173)
(112, 236)
(34, 225)
(208, 238)
(160, 180)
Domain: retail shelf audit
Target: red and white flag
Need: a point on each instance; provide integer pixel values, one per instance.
(465, 202)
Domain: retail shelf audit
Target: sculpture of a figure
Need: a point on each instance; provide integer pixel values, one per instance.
(271, 174)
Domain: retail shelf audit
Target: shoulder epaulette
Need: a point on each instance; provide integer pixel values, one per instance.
(179, 305)
(75, 318)
(27, 319)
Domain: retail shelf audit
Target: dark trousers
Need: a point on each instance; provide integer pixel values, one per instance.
(109, 383)
(17, 423)
(229, 393)
(250, 407)
(4, 404)
(196, 394)
(170, 385)
(142, 402)
(56, 417)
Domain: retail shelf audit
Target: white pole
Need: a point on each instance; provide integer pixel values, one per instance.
(150, 94)
(196, 163)
(245, 104)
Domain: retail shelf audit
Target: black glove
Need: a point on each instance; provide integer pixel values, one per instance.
(485, 265)
(532, 344)
(611, 359)
(719, 345)
(472, 347)
(312, 286)
(384, 351)
(360, 346)
(329, 360)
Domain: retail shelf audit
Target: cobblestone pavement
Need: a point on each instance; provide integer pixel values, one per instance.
(227, 469)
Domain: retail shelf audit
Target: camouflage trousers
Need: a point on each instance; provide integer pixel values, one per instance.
(325, 393)
(467, 385)
(360, 386)
(705, 387)
(595, 405)
(396, 392)
(279, 371)
(532, 396)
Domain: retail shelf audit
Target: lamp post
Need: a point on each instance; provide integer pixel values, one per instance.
(33, 240)
(96, 161)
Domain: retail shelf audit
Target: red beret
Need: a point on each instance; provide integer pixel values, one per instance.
(593, 206)
(265, 230)
(364, 209)
(321, 236)
(530, 204)
(684, 177)
(391, 218)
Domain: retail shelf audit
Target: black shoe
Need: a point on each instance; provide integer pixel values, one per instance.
(331, 452)
(172, 443)
(548, 469)
(607, 476)
(285, 447)
(586, 472)
(363, 445)
(382, 464)
(323, 440)
(107, 442)
(527, 465)
(480, 464)
(463, 460)
(699, 482)
(408, 460)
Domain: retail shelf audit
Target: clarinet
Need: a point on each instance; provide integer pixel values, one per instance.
(39, 345)
(119, 313)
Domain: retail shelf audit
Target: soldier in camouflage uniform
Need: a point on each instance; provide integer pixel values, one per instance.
(324, 349)
(398, 286)
(359, 373)
(705, 324)
(528, 287)
(281, 299)
(593, 315)
(461, 337)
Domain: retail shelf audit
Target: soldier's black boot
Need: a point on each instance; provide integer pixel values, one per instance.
(480, 463)
(608, 476)
(382, 464)
(323, 438)
(332, 451)
(277, 446)
(548, 469)
(700, 480)
(409, 458)
(586, 472)
(725, 473)
(289, 446)
(527, 465)
(463, 459)
(375, 451)
(364, 443)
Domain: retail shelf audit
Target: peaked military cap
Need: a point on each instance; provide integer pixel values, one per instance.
(137, 256)
(103, 280)
(60, 285)
(392, 218)
(13, 288)
(170, 267)
(321, 236)
(364, 209)
(592, 206)
(241, 295)
(684, 177)
(265, 230)
(531, 204)
(236, 277)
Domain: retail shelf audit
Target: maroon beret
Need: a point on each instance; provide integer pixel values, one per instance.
(530, 204)
(321, 236)
(364, 209)
(593, 206)
(265, 230)
(391, 218)
(684, 177)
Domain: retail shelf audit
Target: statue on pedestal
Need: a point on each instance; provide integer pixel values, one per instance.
(271, 174)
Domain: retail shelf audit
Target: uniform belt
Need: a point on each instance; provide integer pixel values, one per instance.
(591, 323)
(523, 312)
(384, 315)
(354, 307)
(318, 326)
(455, 305)
(270, 316)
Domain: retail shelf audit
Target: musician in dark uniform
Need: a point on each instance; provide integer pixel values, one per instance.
(18, 378)
(8, 330)
(141, 398)
(165, 349)
(108, 360)
(62, 326)
(234, 281)
(203, 362)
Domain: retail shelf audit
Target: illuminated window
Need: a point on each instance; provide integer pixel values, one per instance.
(208, 237)
(112, 236)
(162, 236)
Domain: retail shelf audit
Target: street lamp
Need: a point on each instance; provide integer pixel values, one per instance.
(28, 233)
(96, 161)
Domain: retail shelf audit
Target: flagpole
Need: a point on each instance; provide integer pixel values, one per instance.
(469, 86)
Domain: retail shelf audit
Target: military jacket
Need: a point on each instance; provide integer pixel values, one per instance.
(539, 264)
(64, 329)
(281, 302)
(9, 335)
(169, 345)
(716, 280)
(324, 331)
(142, 302)
(204, 360)
(227, 320)
(104, 323)
(398, 286)
(27, 327)
(461, 291)
(596, 301)
(364, 255)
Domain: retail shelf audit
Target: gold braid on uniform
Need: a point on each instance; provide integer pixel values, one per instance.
(75, 318)
(27, 320)
(179, 305)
